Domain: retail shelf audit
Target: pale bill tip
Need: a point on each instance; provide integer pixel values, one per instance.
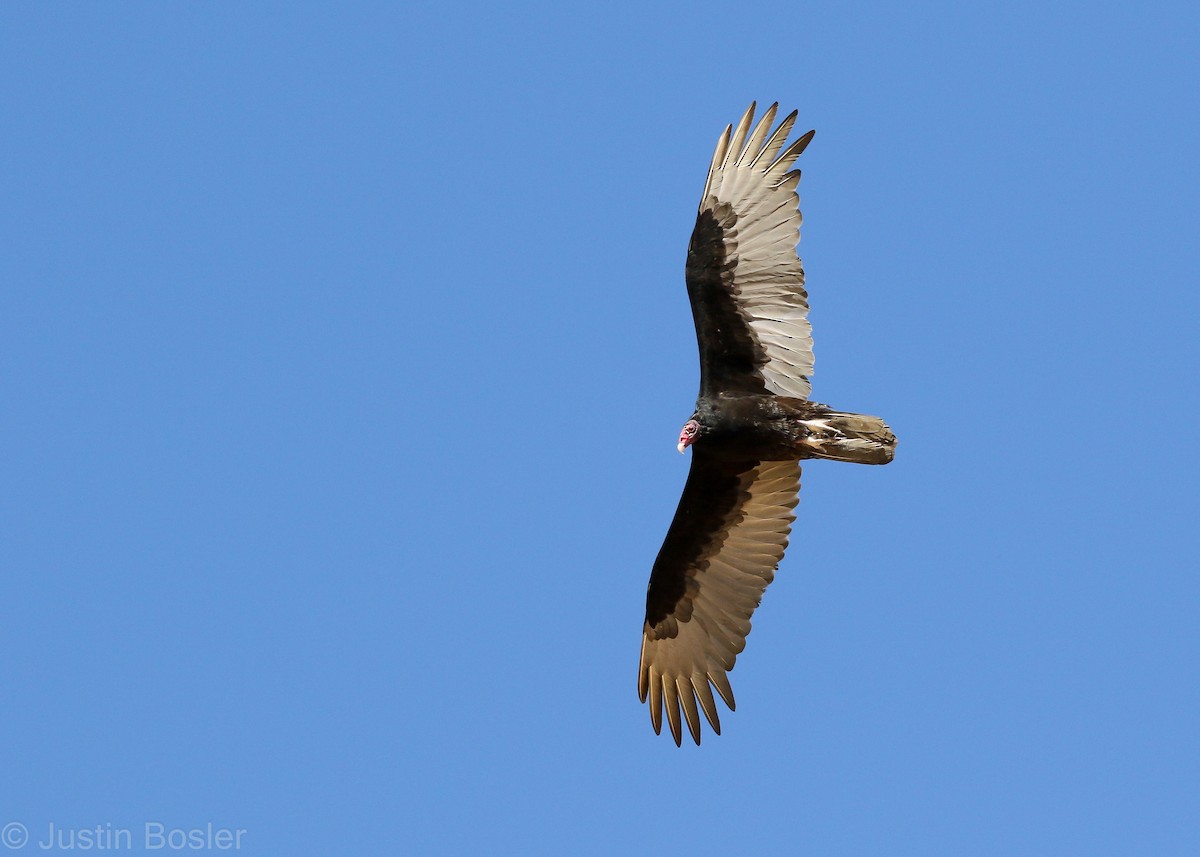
(681, 448)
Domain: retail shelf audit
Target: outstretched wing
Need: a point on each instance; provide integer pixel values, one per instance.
(744, 278)
(720, 553)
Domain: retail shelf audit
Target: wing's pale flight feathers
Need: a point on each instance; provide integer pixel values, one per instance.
(713, 571)
(751, 192)
(773, 145)
(760, 130)
(718, 162)
(794, 151)
(734, 164)
(739, 136)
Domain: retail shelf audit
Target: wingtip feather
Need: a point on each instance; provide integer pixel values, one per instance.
(671, 697)
(721, 682)
(784, 162)
(739, 136)
(718, 161)
(688, 697)
(655, 702)
(755, 144)
(707, 703)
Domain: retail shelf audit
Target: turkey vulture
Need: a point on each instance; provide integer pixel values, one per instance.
(752, 426)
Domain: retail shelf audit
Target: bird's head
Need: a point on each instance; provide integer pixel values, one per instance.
(688, 435)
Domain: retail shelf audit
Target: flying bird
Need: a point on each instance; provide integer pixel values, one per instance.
(752, 427)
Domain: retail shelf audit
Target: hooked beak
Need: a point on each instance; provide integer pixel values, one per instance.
(681, 448)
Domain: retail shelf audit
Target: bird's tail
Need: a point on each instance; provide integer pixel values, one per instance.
(856, 438)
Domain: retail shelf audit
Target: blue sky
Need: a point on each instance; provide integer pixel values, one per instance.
(343, 350)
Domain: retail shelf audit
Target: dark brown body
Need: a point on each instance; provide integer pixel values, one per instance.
(758, 427)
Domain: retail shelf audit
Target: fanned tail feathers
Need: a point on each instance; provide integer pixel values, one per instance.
(856, 438)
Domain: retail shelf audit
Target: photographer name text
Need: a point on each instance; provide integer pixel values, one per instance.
(151, 836)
